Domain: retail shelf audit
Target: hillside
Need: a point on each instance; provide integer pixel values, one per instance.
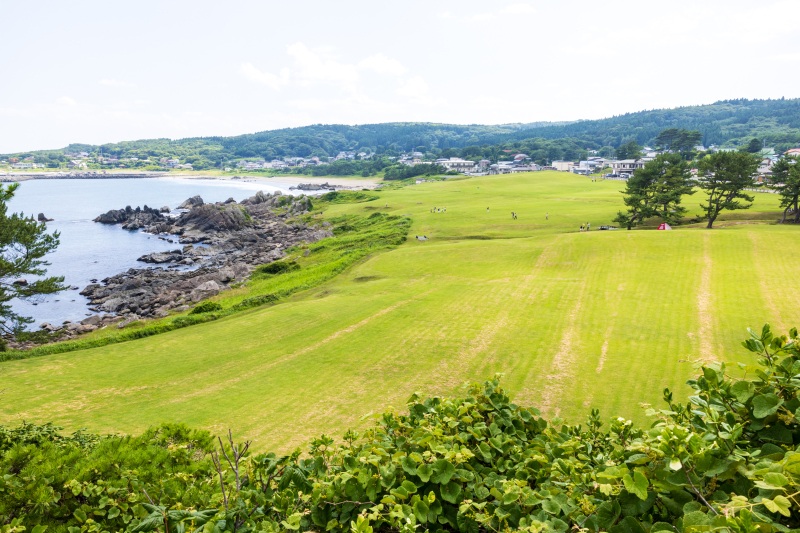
(532, 298)
(727, 123)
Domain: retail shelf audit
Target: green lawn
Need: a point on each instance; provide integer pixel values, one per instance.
(573, 320)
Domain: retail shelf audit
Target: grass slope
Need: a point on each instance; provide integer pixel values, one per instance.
(574, 320)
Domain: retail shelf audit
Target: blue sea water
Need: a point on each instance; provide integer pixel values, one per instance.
(90, 250)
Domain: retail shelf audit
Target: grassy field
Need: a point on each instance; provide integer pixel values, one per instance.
(573, 320)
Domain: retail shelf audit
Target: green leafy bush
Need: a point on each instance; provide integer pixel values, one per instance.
(727, 460)
(205, 307)
(277, 267)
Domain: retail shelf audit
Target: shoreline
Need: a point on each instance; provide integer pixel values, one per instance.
(349, 182)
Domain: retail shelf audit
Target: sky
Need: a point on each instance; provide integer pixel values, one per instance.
(97, 71)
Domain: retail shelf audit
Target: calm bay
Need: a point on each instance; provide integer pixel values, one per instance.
(91, 250)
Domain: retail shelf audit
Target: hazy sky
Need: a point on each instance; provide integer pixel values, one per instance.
(106, 71)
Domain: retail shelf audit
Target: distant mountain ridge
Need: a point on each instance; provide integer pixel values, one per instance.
(728, 123)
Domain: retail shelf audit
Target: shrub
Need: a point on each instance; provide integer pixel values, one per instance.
(205, 307)
(277, 267)
(726, 461)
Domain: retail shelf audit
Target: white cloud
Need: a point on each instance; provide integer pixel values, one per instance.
(109, 82)
(518, 9)
(266, 78)
(509, 12)
(381, 64)
(312, 67)
(66, 101)
(318, 66)
(415, 87)
(417, 90)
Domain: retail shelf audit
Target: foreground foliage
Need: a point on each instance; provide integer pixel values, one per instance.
(23, 244)
(727, 460)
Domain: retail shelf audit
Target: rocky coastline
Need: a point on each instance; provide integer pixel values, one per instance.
(221, 244)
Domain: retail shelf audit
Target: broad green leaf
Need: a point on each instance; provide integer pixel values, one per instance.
(424, 472)
(770, 505)
(742, 391)
(443, 470)
(628, 525)
(551, 507)
(421, 511)
(409, 465)
(636, 485)
(80, 515)
(663, 526)
(765, 405)
(776, 479)
(409, 486)
(451, 492)
(792, 464)
(695, 519)
(607, 514)
(783, 504)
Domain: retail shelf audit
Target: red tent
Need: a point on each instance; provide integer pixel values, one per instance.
(664, 225)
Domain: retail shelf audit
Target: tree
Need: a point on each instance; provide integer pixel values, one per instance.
(673, 180)
(786, 180)
(629, 150)
(23, 243)
(753, 147)
(679, 140)
(656, 190)
(724, 176)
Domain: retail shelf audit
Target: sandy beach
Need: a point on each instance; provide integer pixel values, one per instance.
(279, 181)
(353, 183)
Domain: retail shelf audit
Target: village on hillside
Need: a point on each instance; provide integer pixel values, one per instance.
(516, 162)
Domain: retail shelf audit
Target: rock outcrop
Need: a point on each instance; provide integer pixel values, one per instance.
(223, 243)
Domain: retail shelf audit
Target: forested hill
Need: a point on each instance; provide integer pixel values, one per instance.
(728, 123)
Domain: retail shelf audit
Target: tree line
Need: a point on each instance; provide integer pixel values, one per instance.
(658, 188)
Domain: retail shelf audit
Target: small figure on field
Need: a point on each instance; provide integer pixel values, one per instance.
(581, 227)
(547, 216)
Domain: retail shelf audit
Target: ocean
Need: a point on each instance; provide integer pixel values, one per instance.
(93, 251)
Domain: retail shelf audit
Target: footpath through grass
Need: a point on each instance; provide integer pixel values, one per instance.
(573, 320)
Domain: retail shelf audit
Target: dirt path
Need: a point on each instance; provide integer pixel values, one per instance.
(704, 306)
(562, 370)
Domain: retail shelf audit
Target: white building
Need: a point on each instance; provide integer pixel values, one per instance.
(626, 166)
(563, 166)
(457, 164)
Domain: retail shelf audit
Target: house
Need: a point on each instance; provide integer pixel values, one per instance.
(503, 167)
(792, 152)
(764, 171)
(533, 167)
(563, 166)
(626, 166)
(457, 164)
